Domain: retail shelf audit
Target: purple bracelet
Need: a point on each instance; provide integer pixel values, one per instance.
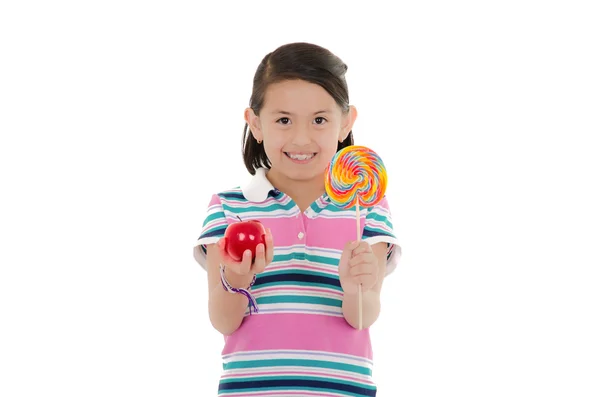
(243, 291)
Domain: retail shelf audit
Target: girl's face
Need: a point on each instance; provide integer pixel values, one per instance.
(300, 126)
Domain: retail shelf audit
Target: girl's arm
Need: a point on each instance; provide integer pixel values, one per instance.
(371, 301)
(226, 310)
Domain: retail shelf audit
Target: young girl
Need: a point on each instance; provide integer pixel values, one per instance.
(290, 317)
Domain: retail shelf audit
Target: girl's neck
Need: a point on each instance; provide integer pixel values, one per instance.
(303, 192)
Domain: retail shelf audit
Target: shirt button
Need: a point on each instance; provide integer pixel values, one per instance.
(300, 235)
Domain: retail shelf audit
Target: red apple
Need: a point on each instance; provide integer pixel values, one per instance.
(242, 236)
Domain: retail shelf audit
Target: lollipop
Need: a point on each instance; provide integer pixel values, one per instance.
(356, 177)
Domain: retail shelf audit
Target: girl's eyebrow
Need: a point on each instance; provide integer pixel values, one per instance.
(291, 114)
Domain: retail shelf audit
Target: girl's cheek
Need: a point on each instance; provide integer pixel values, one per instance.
(329, 141)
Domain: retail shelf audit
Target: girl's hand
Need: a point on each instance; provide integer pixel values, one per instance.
(240, 274)
(358, 265)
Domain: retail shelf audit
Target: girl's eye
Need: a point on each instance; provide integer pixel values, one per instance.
(284, 121)
(320, 120)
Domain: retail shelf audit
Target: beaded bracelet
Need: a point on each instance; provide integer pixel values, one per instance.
(243, 291)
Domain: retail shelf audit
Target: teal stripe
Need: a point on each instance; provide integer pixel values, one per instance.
(253, 208)
(283, 258)
(298, 363)
(379, 218)
(313, 258)
(213, 217)
(315, 207)
(312, 300)
(322, 259)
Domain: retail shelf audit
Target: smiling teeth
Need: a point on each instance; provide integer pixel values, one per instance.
(301, 156)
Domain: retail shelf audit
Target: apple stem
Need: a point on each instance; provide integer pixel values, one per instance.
(239, 218)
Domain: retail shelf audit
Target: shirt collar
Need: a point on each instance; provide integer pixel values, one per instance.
(259, 187)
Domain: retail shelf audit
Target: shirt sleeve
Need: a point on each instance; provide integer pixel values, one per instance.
(378, 228)
(213, 229)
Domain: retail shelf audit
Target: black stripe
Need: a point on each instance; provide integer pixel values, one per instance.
(371, 233)
(269, 385)
(232, 195)
(217, 232)
(275, 193)
(302, 278)
(240, 196)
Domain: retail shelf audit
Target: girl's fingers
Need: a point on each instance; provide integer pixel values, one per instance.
(246, 264)
(362, 248)
(365, 257)
(351, 246)
(363, 269)
(264, 256)
(225, 258)
(259, 262)
(221, 244)
(268, 247)
(241, 268)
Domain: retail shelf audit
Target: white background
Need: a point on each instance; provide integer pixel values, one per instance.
(119, 119)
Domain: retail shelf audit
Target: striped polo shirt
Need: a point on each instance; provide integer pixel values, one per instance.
(299, 343)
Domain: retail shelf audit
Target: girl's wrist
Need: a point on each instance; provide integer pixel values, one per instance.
(238, 280)
(238, 285)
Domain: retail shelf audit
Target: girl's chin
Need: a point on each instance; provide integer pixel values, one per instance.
(305, 172)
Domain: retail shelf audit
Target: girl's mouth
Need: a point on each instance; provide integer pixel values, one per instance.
(300, 158)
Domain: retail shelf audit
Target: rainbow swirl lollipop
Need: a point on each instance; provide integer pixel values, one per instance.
(356, 176)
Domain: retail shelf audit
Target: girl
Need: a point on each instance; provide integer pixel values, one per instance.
(290, 317)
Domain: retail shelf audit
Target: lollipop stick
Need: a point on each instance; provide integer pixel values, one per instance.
(360, 310)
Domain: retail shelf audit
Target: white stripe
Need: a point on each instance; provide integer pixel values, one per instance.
(212, 209)
(279, 214)
(298, 355)
(243, 203)
(290, 249)
(373, 224)
(380, 210)
(300, 264)
(331, 252)
(294, 307)
(214, 224)
(284, 393)
(338, 215)
(322, 251)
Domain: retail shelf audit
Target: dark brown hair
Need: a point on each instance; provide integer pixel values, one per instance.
(295, 61)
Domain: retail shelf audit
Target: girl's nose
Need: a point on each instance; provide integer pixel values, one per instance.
(301, 136)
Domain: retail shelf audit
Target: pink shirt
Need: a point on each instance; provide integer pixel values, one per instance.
(299, 341)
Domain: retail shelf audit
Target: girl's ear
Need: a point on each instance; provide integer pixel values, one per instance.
(347, 123)
(253, 123)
